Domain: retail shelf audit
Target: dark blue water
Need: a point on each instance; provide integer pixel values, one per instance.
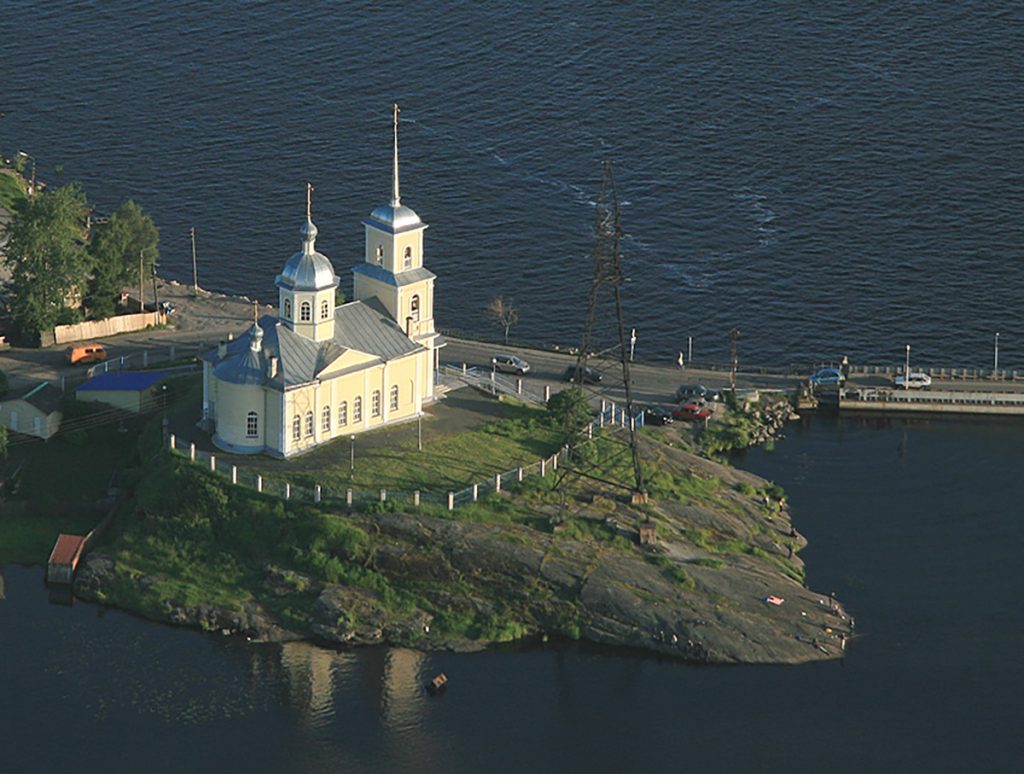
(834, 179)
(915, 525)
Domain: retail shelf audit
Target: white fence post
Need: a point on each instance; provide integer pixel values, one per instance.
(213, 463)
(476, 492)
(192, 452)
(543, 468)
(259, 483)
(416, 498)
(497, 482)
(547, 392)
(316, 493)
(519, 474)
(519, 386)
(383, 495)
(348, 497)
(590, 430)
(234, 474)
(451, 501)
(554, 461)
(170, 443)
(287, 491)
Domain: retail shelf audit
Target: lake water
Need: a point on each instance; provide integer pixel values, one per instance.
(833, 180)
(915, 525)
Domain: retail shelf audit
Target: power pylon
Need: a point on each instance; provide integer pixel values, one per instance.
(608, 275)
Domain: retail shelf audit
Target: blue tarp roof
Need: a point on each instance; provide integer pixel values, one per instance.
(127, 381)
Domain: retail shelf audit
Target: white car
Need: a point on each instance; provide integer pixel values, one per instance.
(915, 380)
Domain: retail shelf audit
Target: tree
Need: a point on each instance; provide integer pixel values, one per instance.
(570, 410)
(503, 313)
(47, 258)
(3, 442)
(116, 248)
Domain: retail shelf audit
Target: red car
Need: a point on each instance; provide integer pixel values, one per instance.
(692, 411)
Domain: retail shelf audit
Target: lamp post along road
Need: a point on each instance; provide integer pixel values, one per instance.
(995, 358)
(906, 371)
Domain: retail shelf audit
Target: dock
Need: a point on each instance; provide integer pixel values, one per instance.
(932, 401)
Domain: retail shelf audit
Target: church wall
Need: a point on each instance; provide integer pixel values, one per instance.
(364, 287)
(394, 248)
(234, 403)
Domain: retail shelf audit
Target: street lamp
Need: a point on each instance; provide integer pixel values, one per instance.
(995, 358)
(906, 371)
(352, 455)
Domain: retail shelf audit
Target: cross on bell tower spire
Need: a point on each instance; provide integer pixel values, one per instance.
(396, 199)
(309, 201)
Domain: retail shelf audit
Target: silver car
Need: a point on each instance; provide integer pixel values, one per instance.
(510, 364)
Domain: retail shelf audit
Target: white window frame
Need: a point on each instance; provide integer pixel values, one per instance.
(343, 413)
(252, 425)
(393, 398)
(310, 424)
(297, 428)
(325, 419)
(375, 404)
(357, 409)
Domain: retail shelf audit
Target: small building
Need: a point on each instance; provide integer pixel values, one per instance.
(64, 558)
(37, 412)
(135, 391)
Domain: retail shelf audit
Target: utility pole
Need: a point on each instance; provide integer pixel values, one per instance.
(995, 358)
(734, 336)
(906, 371)
(195, 270)
(142, 303)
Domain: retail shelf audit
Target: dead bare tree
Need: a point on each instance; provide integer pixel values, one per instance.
(503, 313)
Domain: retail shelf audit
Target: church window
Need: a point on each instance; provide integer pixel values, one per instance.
(380, 255)
(343, 413)
(357, 409)
(296, 428)
(252, 425)
(287, 309)
(414, 308)
(324, 310)
(325, 419)
(394, 397)
(375, 403)
(305, 312)
(407, 263)
(309, 423)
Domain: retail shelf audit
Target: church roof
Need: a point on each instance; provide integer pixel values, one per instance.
(359, 325)
(394, 218)
(379, 273)
(307, 269)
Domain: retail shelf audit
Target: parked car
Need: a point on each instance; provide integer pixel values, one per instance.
(510, 364)
(913, 381)
(84, 354)
(590, 376)
(692, 411)
(823, 376)
(656, 415)
(687, 391)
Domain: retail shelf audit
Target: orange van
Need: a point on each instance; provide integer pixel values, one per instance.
(83, 354)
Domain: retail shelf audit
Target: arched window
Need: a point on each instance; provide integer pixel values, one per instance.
(287, 309)
(343, 413)
(380, 254)
(296, 428)
(394, 397)
(375, 404)
(305, 312)
(324, 310)
(252, 425)
(309, 423)
(325, 419)
(414, 308)
(407, 262)
(357, 409)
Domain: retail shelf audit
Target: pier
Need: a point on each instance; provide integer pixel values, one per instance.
(1001, 403)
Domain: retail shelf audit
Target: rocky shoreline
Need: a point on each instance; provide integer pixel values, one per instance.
(681, 597)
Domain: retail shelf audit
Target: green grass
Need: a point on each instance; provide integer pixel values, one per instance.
(448, 461)
(12, 192)
(29, 538)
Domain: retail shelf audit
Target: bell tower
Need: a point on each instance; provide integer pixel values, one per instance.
(392, 271)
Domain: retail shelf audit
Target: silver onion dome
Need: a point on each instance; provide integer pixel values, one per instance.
(397, 217)
(308, 269)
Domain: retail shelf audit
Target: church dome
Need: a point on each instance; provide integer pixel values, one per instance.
(396, 216)
(308, 269)
(246, 367)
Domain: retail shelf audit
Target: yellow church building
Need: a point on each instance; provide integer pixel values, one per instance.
(318, 371)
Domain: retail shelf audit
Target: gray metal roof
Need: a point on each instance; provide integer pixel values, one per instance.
(307, 269)
(44, 397)
(362, 326)
(395, 217)
(379, 273)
